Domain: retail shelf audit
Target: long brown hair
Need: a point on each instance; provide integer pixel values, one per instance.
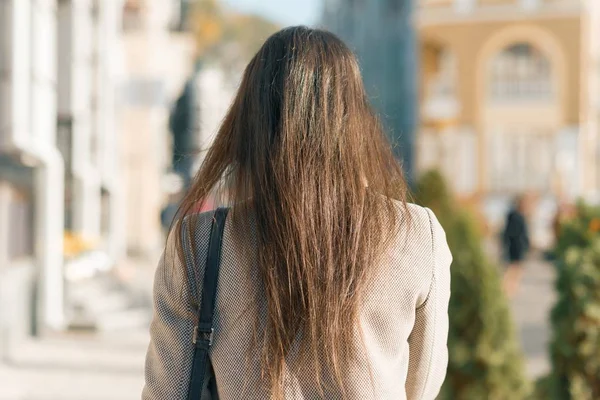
(301, 149)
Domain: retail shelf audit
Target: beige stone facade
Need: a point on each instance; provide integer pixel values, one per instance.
(157, 61)
(508, 99)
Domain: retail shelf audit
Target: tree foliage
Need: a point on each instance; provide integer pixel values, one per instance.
(485, 361)
(575, 346)
(225, 36)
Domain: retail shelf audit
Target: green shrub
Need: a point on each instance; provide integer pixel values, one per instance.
(484, 357)
(544, 389)
(575, 345)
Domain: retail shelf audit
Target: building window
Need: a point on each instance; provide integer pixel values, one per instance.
(521, 159)
(464, 6)
(444, 82)
(439, 72)
(21, 223)
(16, 213)
(530, 4)
(521, 72)
(132, 15)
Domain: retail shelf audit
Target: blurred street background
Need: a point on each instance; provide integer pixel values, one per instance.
(107, 107)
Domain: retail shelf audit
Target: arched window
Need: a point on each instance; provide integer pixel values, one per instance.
(521, 72)
(444, 82)
(440, 73)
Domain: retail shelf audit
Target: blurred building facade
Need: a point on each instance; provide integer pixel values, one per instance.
(58, 154)
(383, 37)
(85, 88)
(158, 51)
(88, 46)
(509, 94)
(31, 171)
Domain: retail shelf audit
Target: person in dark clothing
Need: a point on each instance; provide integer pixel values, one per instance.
(515, 243)
(182, 124)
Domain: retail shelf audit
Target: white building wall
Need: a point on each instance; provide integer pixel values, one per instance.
(28, 133)
(75, 104)
(49, 70)
(49, 177)
(109, 57)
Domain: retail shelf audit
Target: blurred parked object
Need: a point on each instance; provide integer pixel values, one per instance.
(510, 102)
(84, 258)
(75, 244)
(575, 346)
(485, 361)
(87, 264)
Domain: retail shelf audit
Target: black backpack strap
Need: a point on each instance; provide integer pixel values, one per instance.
(203, 332)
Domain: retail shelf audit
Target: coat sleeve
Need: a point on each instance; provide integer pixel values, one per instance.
(428, 340)
(169, 355)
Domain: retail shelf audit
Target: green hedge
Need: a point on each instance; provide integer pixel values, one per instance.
(485, 361)
(575, 346)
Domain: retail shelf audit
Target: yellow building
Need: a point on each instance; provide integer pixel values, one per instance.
(509, 98)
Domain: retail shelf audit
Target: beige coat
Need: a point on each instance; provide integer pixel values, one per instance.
(404, 321)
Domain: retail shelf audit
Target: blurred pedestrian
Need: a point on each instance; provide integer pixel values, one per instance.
(183, 126)
(515, 243)
(323, 283)
(169, 212)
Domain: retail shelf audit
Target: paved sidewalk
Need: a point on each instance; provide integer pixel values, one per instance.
(83, 366)
(76, 367)
(531, 312)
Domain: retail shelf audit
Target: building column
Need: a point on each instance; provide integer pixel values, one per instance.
(49, 225)
(49, 175)
(75, 92)
(29, 34)
(108, 49)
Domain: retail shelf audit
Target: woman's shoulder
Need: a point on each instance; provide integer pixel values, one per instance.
(416, 219)
(420, 228)
(193, 230)
(197, 219)
(420, 251)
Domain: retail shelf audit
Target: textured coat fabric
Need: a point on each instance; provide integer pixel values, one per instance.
(404, 320)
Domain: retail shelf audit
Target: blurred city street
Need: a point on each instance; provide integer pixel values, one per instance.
(531, 308)
(83, 366)
(109, 366)
(108, 109)
(70, 367)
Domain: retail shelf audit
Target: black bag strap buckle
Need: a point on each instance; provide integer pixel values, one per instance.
(202, 338)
